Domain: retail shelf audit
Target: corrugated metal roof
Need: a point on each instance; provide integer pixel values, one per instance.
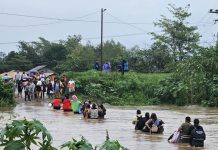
(38, 68)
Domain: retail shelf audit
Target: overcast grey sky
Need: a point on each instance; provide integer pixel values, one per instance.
(16, 28)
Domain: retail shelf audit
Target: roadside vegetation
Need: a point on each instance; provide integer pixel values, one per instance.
(6, 95)
(115, 89)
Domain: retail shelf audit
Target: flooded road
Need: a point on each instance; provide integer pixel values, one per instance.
(65, 125)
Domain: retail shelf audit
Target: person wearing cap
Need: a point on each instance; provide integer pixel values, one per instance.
(76, 104)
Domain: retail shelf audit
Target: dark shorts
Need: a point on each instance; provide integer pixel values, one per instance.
(58, 108)
(67, 110)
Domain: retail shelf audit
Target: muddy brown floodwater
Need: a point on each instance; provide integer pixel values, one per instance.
(65, 125)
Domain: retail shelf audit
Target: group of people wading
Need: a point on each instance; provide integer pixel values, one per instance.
(88, 109)
(148, 123)
(186, 133)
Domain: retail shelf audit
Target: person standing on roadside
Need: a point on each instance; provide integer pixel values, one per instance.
(20, 88)
(27, 91)
(17, 77)
(71, 86)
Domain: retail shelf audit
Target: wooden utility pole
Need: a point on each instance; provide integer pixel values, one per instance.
(102, 13)
(216, 12)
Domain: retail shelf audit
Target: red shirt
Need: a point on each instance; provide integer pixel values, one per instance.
(67, 105)
(57, 102)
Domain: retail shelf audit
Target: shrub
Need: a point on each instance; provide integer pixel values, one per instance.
(113, 88)
(21, 134)
(83, 144)
(6, 93)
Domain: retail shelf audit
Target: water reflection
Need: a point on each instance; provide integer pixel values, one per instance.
(65, 125)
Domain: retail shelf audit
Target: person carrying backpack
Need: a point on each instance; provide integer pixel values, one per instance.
(138, 120)
(197, 136)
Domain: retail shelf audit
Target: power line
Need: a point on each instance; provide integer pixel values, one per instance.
(88, 38)
(112, 36)
(8, 43)
(46, 18)
(77, 19)
(30, 25)
(43, 24)
(138, 28)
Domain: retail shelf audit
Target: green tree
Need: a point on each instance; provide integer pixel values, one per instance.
(28, 51)
(138, 59)
(194, 81)
(113, 52)
(180, 38)
(17, 61)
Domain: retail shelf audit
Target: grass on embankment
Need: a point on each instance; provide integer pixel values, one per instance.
(115, 89)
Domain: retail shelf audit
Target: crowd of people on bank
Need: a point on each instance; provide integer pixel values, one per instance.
(186, 133)
(35, 85)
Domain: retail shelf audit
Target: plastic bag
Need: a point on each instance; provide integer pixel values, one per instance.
(175, 137)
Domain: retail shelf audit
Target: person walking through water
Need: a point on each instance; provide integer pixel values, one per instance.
(154, 124)
(75, 103)
(197, 136)
(101, 111)
(185, 130)
(137, 120)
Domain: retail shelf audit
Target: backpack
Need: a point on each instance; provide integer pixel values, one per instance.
(197, 137)
(140, 123)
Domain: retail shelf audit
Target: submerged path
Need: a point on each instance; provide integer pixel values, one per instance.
(65, 125)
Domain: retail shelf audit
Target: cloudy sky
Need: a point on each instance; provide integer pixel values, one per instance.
(126, 21)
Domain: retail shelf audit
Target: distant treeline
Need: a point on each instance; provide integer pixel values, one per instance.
(72, 55)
